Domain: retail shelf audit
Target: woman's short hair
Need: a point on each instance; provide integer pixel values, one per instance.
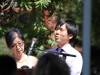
(10, 36)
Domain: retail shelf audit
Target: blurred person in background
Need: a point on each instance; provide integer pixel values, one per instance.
(77, 44)
(50, 64)
(8, 65)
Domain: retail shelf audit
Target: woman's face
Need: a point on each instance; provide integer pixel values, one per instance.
(17, 46)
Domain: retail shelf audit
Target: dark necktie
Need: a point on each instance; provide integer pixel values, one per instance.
(62, 52)
(59, 53)
(59, 50)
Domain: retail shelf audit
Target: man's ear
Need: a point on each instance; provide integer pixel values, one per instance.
(70, 36)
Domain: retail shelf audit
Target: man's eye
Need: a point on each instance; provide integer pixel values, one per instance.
(61, 29)
(57, 28)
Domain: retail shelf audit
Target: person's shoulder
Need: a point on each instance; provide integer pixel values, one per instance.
(33, 60)
(74, 51)
(49, 50)
(33, 57)
(52, 49)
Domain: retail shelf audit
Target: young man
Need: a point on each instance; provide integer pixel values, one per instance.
(65, 32)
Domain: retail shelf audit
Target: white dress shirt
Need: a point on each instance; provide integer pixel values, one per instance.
(75, 63)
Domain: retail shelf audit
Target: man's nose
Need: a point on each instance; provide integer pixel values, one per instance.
(57, 31)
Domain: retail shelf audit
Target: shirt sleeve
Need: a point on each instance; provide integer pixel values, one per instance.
(76, 65)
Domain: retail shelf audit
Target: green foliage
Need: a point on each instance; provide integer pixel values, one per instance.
(26, 5)
(51, 42)
(3, 47)
(42, 3)
(95, 27)
(32, 24)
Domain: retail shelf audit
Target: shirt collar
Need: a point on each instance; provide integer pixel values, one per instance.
(65, 48)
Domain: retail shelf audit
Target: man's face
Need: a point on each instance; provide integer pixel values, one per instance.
(61, 35)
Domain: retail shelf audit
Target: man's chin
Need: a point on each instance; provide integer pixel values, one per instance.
(57, 41)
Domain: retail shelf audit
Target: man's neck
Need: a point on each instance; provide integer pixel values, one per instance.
(62, 45)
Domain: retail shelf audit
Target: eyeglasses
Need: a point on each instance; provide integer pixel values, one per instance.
(18, 44)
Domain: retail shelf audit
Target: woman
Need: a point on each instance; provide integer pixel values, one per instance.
(15, 41)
